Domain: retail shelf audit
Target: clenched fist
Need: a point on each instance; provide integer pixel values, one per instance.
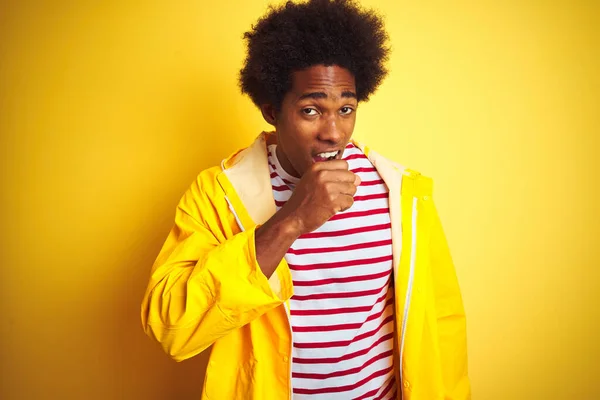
(327, 188)
(324, 190)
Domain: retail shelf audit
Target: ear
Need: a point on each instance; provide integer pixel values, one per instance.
(269, 113)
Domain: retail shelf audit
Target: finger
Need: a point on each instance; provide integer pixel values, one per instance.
(331, 165)
(357, 180)
(345, 202)
(343, 188)
(338, 176)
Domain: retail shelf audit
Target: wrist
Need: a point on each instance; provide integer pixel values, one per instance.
(283, 227)
(291, 227)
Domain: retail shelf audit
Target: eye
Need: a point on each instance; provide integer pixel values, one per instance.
(309, 111)
(346, 110)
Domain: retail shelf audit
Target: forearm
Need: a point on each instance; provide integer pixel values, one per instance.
(273, 239)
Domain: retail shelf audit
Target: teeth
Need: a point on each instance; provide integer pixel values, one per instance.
(328, 155)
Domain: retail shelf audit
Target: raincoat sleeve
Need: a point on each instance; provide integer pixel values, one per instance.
(451, 322)
(204, 284)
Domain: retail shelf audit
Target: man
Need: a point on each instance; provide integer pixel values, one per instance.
(314, 267)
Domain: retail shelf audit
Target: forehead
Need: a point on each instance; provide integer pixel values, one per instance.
(321, 78)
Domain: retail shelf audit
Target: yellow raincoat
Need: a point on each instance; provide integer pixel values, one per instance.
(206, 287)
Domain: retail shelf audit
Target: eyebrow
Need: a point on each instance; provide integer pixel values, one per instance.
(323, 95)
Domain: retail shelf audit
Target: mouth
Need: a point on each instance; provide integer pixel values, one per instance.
(327, 156)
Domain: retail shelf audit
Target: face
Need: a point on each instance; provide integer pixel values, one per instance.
(317, 116)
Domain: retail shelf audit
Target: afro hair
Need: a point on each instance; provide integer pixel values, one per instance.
(295, 36)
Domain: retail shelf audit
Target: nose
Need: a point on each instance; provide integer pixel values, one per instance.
(331, 131)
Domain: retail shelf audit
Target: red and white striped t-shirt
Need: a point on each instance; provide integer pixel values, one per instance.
(342, 310)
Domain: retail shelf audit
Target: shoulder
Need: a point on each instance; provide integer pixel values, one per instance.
(200, 194)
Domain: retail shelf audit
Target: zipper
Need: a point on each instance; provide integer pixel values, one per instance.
(411, 275)
(237, 219)
(287, 316)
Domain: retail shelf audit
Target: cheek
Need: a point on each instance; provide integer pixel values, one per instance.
(298, 136)
(349, 126)
(302, 133)
(292, 141)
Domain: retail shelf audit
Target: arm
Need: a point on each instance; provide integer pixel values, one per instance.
(273, 240)
(205, 283)
(203, 286)
(451, 323)
(325, 189)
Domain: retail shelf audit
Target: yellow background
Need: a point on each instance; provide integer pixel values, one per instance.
(108, 110)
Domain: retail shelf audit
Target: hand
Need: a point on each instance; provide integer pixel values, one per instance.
(327, 188)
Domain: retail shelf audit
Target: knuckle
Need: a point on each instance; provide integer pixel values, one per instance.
(331, 197)
(321, 175)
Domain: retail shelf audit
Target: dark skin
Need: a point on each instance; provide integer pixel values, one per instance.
(317, 115)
